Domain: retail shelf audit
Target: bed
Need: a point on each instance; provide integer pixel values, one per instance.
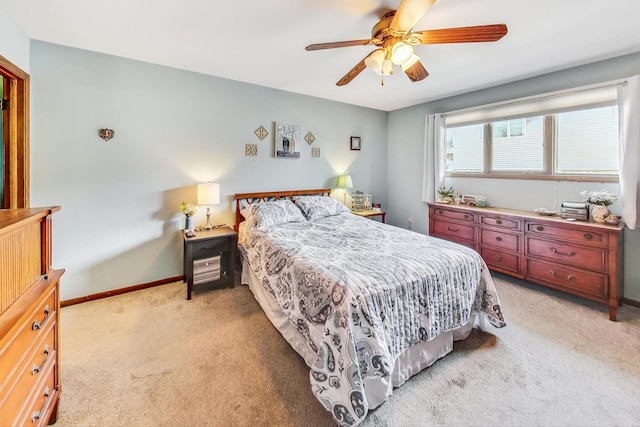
(367, 305)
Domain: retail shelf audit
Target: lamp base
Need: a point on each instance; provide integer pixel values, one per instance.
(208, 225)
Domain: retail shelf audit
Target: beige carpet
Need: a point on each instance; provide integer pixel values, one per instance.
(151, 358)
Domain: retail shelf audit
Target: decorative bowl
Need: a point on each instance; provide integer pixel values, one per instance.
(545, 211)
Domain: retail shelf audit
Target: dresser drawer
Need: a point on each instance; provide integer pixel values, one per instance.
(506, 223)
(454, 214)
(30, 331)
(501, 240)
(29, 371)
(580, 256)
(455, 230)
(584, 283)
(501, 260)
(37, 409)
(577, 235)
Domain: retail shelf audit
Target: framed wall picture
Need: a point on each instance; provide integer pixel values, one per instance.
(356, 143)
(286, 140)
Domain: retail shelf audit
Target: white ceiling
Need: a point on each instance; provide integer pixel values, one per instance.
(262, 41)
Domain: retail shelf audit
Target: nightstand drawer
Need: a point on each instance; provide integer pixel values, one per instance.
(213, 245)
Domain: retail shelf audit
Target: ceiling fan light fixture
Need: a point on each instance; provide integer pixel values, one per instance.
(374, 61)
(387, 67)
(401, 52)
(410, 62)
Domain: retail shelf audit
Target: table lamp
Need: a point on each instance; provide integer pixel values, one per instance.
(208, 194)
(344, 182)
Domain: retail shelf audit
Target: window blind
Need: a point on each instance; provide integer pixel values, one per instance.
(554, 102)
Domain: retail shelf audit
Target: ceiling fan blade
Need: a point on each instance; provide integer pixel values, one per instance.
(332, 45)
(352, 73)
(416, 72)
(409, 13)
(481, 33)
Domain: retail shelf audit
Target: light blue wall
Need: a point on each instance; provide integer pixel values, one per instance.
(14, 43)
(406, 136)
(173, 129)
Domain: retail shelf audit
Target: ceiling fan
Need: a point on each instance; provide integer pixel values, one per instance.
(395, 39)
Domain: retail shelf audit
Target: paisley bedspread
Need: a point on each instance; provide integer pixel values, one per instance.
(361, 292)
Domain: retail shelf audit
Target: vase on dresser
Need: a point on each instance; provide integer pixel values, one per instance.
(188, 222)
(599, 213)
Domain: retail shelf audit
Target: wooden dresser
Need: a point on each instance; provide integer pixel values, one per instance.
(29, 313)
(582, 258)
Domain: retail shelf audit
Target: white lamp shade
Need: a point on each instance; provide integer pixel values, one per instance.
(345, 181)
(374, 61)
(209, 193)
(401, 52)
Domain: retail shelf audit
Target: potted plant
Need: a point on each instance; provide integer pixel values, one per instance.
(445, 195)
(600, 200)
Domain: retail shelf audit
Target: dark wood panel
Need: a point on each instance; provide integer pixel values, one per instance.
(583, 257)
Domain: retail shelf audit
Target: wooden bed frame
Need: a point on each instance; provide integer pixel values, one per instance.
(245, 199)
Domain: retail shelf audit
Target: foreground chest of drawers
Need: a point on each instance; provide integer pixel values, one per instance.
(581, 258)
(29, 319)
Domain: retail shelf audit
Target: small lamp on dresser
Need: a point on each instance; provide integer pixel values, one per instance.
(208, 194)
(344, 182)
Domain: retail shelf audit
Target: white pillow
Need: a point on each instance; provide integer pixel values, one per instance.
(265, 215)
(314, 207)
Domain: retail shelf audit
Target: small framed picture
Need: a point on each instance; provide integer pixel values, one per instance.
(356, 144)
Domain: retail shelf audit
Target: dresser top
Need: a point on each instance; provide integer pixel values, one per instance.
(10, 219)
(527, 215)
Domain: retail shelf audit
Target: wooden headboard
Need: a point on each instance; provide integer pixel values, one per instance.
(245, 199)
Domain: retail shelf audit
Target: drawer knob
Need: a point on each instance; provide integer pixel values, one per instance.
(498, 258)
(466, 216)
(554, 250)
(38, 325)
(540, 228)
(588, 236)
(440, 212)
(38, 368)
(553, 273)
(499, 239)
(455, 230)
(498, 221)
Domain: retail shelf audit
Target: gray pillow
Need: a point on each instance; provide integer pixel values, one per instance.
(265, 215)
(314, 207)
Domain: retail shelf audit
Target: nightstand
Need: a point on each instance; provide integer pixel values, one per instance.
(209, 257)
(371, 214)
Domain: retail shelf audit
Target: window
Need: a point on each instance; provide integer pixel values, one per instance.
(587, 142)
(579, 142)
